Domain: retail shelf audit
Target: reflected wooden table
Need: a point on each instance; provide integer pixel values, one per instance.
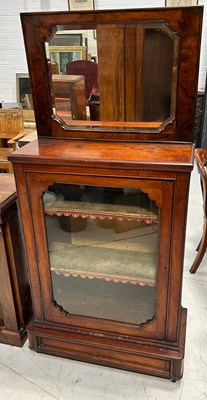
(71, 87)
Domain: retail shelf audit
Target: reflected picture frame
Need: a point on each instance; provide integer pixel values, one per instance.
(67, 39)
(60, 55)
(80, 5)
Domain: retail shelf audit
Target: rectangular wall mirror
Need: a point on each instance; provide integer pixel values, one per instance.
(114, 75)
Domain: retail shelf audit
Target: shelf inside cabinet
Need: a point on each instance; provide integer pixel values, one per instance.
(106, 300)
(120, 212)
(110, 264)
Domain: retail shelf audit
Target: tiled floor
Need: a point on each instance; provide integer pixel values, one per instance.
(26, 375)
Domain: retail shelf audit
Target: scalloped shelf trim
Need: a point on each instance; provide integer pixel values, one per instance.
(102, 211)
(108, 278)
(102, 216)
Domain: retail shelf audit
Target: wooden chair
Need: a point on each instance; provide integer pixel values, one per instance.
(201, 160)
(24, 136)
(5, 165)
(11, 124)
(87, 68)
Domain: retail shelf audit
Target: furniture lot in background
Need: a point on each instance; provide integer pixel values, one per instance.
(11, 125)
(14, 142)
(5, 165)
(27, 138)
(201, 159)
(15, 300)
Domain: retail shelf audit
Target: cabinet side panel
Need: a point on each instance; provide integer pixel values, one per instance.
(28, 234)
(177, 255)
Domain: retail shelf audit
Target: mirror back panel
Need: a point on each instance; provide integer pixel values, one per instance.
(114, 75)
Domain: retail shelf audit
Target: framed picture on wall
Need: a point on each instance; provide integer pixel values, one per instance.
(24, 96)
(180, 3)
(80, 5)
(23, 91)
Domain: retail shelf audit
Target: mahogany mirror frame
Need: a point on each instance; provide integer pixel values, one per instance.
(186, 22)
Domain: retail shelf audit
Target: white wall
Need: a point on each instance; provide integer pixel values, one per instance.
(203, 56)
(114, 4)
(12, 51)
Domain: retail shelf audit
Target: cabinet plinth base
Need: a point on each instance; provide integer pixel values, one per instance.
(12, 337)
(161, 359)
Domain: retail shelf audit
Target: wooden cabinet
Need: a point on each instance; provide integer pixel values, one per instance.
(104, 231)
(15, 299)
(104, 203)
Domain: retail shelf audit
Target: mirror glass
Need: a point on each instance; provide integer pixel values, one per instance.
(114, 76)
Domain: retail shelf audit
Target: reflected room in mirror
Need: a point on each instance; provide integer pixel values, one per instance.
(122, 77)
(113, 95)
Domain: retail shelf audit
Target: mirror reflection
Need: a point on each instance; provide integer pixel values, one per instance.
(117, 75)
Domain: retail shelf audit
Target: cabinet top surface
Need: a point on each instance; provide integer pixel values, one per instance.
(7, 188)
(98, 153)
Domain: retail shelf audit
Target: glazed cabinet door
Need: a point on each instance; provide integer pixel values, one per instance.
(103, 251)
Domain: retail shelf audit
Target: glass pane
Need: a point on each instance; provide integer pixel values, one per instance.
(103, 251)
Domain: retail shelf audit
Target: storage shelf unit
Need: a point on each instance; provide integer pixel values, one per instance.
(104, 201)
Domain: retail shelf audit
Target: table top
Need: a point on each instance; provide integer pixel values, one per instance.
(7, 190)
(67, 78)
